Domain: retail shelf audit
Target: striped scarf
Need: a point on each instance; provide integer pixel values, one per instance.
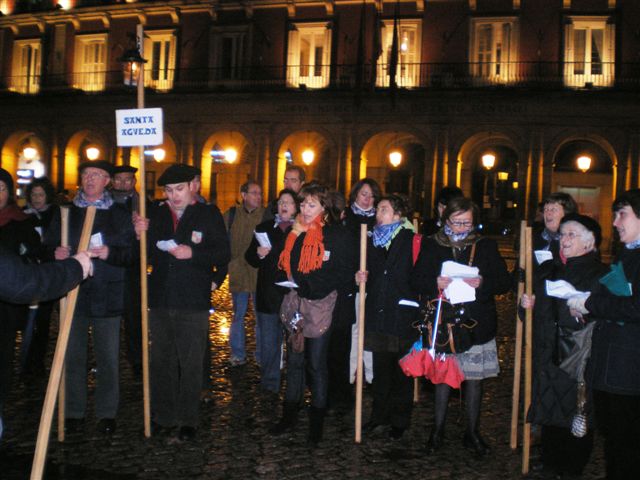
(312, 253)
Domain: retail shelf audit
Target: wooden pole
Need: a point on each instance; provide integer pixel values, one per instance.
(142, 211)
(361, 307)
(528, 337)
(64, 242)
(416, 384)
(42, 442)
(517, 364)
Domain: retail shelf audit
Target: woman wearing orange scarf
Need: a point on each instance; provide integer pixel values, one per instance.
(315, 258)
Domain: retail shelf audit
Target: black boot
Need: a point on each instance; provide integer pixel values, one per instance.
(473, 441)
(288, 421)
(316, 425)
(473, 397)
(436, 440)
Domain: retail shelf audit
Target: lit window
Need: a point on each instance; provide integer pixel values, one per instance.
(309, 55)
(589, 52)
(90, 62)
(228, 54)
(494, 50)
(25, 76)
(160, 53)
(409, 40)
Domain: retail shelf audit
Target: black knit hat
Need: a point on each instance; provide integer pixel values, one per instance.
(101, 164)
(587, 222)
(8, 181)
(178, 173)
(124, 169)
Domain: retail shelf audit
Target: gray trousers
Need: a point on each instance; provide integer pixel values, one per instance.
(178, 342)
(105, 332)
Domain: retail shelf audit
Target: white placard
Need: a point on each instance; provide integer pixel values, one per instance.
(139, 127)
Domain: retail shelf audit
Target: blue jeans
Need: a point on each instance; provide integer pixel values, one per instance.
(270, 350)
(312, 362)
(236, 332)
(106, 347)
(179, 339)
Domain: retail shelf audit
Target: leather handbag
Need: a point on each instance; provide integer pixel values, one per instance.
(312, 317)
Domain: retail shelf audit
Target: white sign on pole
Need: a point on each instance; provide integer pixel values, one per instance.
(138, 127)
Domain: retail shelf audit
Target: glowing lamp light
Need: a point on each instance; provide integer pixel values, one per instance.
(488, 160)
(230, 155)
(584, 163)
(395, 158)
(29, 153)
(92, 153)
(159, 154)
(308, 156)
(64, 4)
(288, 156)
(515, 185)
(503, 176)
(404, 46)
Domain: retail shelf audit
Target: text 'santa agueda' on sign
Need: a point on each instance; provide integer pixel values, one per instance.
(141, 126)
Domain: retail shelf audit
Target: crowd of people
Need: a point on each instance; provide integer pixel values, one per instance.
(296, 261)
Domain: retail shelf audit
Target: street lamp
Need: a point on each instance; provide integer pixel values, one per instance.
(92, 153)
(159, 154)
(395, 158)
(231, 155)
(488, 160)
(584, 163)
(308, 156)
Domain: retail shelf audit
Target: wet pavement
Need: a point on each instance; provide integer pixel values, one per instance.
(233, 443)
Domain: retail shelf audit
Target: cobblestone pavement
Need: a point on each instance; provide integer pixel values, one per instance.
(233, 443)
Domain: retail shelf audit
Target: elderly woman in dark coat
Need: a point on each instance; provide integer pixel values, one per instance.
(615, 356)
(388, 330)
(459, 242)
(556, 392)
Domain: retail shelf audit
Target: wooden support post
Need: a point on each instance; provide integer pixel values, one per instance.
(517, 364)
(64, 242)
(528, 338)
(361, 308)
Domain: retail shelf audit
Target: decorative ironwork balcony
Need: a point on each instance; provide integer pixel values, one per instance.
(430, 76)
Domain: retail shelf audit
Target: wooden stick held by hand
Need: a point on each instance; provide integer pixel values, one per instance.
(361, 307)
(517, 364)
(528, 338)
(42, 443)
(64, 242)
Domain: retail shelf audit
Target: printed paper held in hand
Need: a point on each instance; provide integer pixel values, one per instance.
(166, 245)
(96, 240)
(458, 291)
(287, 284)
(263, 239)
(563, 289)
(543, 256)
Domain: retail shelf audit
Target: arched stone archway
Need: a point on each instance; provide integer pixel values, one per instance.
(226, 163)
(24, 155)
(75, 153)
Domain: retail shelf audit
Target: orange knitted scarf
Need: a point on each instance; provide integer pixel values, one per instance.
(312, 252)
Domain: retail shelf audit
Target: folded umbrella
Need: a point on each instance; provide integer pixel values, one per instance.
(412, 364)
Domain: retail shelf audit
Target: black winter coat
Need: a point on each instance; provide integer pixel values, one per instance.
(554, 393)
(388, 326)
(495, 280)
(30, 283)
(186, 284)
(615, 351)
(336, 268)
(268, 294)
(101, 295)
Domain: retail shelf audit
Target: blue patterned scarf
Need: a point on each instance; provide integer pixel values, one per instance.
(383, 234)
(103, 203)
(550, 237)
(355, 208)
(632, 245)
(456, 237)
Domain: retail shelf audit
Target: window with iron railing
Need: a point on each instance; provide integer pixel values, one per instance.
(25, 72)
(493, 50)
(228, 55)
(589, 52)
(160, 53)
(309, 55)
(90, 62)
(408, 42)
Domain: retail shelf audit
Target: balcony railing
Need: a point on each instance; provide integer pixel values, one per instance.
(432, 76)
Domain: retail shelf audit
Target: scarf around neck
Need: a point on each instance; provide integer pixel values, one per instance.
(442, 238)
(103, 203)
(283, 224)
(312, 253)
(549, 237)
(382, 235)
(11, 212)
(358, 210)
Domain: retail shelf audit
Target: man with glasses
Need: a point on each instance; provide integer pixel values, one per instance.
(241, 222)
(101, 297)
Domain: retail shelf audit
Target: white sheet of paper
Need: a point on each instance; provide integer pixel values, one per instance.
(166, 245)
(287, 284)
(458, 291)
(543, 256)
(96, 240)
(562, 289)
(263, 239)
(408, 303)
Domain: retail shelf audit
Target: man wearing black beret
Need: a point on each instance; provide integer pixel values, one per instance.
(101, 297)
(186, 238)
